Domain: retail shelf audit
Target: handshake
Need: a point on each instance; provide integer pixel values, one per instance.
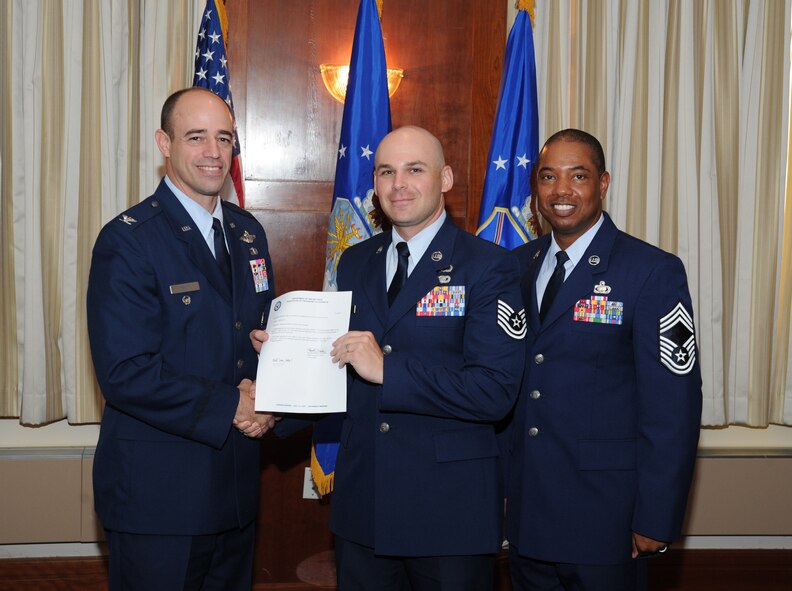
(247, 421)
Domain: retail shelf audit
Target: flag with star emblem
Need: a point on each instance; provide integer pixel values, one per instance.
(507, 215)
(211, 71)
(365, 122)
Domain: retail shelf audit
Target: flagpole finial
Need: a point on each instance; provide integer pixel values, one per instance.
(528, 5)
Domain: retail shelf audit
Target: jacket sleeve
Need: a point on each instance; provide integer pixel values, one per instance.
(481, 383)
(669, 400)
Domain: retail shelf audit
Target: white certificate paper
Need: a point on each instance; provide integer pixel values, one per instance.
(295, 371)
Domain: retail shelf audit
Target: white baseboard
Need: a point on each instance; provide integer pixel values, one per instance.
(52, 550)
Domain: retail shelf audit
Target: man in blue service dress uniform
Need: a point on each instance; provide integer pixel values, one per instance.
(176, 284)
(606, 427)
(418, 497)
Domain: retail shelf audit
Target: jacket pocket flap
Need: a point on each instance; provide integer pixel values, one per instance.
(465, 444)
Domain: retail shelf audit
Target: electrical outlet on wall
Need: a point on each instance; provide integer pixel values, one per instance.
(309, 486)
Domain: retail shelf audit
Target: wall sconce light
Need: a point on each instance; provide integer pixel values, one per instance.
(335, 79)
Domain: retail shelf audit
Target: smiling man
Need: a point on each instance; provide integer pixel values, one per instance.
(177, 282)
(605, 431)
(434, 356)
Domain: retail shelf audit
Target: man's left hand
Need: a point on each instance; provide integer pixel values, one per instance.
(643, 546)
(360, 350)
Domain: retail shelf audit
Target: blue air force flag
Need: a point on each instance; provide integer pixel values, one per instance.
(365, 122)
(506, 216)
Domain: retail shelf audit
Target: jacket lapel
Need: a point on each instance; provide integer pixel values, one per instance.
(528, 283)
(374, 270)
(580, 283)
(197, 250)
(434, 262)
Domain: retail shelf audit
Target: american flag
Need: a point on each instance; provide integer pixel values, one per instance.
(211, 71)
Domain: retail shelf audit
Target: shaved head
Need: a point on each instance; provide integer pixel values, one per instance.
(418, 136)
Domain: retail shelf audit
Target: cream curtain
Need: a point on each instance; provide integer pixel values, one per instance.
(81, 85)
(691, 102)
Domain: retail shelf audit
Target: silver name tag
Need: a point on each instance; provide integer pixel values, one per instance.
(184, 287)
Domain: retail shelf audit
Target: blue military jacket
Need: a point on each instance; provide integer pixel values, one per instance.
(170, 344)
(604, 435)
(418, 470)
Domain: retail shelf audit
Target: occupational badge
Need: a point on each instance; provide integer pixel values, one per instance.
(678, 341)
(601, 288)
(260, 277)
(512, 321)
(445, 300)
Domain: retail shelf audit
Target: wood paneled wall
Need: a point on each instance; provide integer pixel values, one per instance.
(452, 53)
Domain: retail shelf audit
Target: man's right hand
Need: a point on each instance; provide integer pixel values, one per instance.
(247, 420)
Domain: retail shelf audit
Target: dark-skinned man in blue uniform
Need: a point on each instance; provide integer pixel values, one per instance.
(605, 432)
(177, 282)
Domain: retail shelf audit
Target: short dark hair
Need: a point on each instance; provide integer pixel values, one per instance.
(166, 116)
(580, 136)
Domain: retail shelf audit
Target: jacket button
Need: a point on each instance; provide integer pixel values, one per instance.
(533, 432)
(240, 363)
(535, 394)
(538, 358)
(384, 427)
(386, 350)
(238, 325)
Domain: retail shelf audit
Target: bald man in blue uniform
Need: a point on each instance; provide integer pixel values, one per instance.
(435, 354)
(176, 284)
(605, 432)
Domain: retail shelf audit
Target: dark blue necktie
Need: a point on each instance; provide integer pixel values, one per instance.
(221, 254)
(555, 283)
(401, 272)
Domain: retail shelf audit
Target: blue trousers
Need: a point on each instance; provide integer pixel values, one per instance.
(216, 562)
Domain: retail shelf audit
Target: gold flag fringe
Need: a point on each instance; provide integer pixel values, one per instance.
(324, 482)
(528, 5)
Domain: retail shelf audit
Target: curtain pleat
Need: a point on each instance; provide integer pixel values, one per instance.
(691, 103)
(82, 86)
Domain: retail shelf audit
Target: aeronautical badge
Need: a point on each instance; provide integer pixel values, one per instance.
(512, 321)
(247, 237)
(678, 341)
(127, 219)
(260, 277)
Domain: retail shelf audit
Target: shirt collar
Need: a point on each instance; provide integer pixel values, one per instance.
(200, 217)
(421, 241)
(578, 248)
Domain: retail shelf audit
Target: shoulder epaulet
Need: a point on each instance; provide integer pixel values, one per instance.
(140, 213)
(236, 209)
